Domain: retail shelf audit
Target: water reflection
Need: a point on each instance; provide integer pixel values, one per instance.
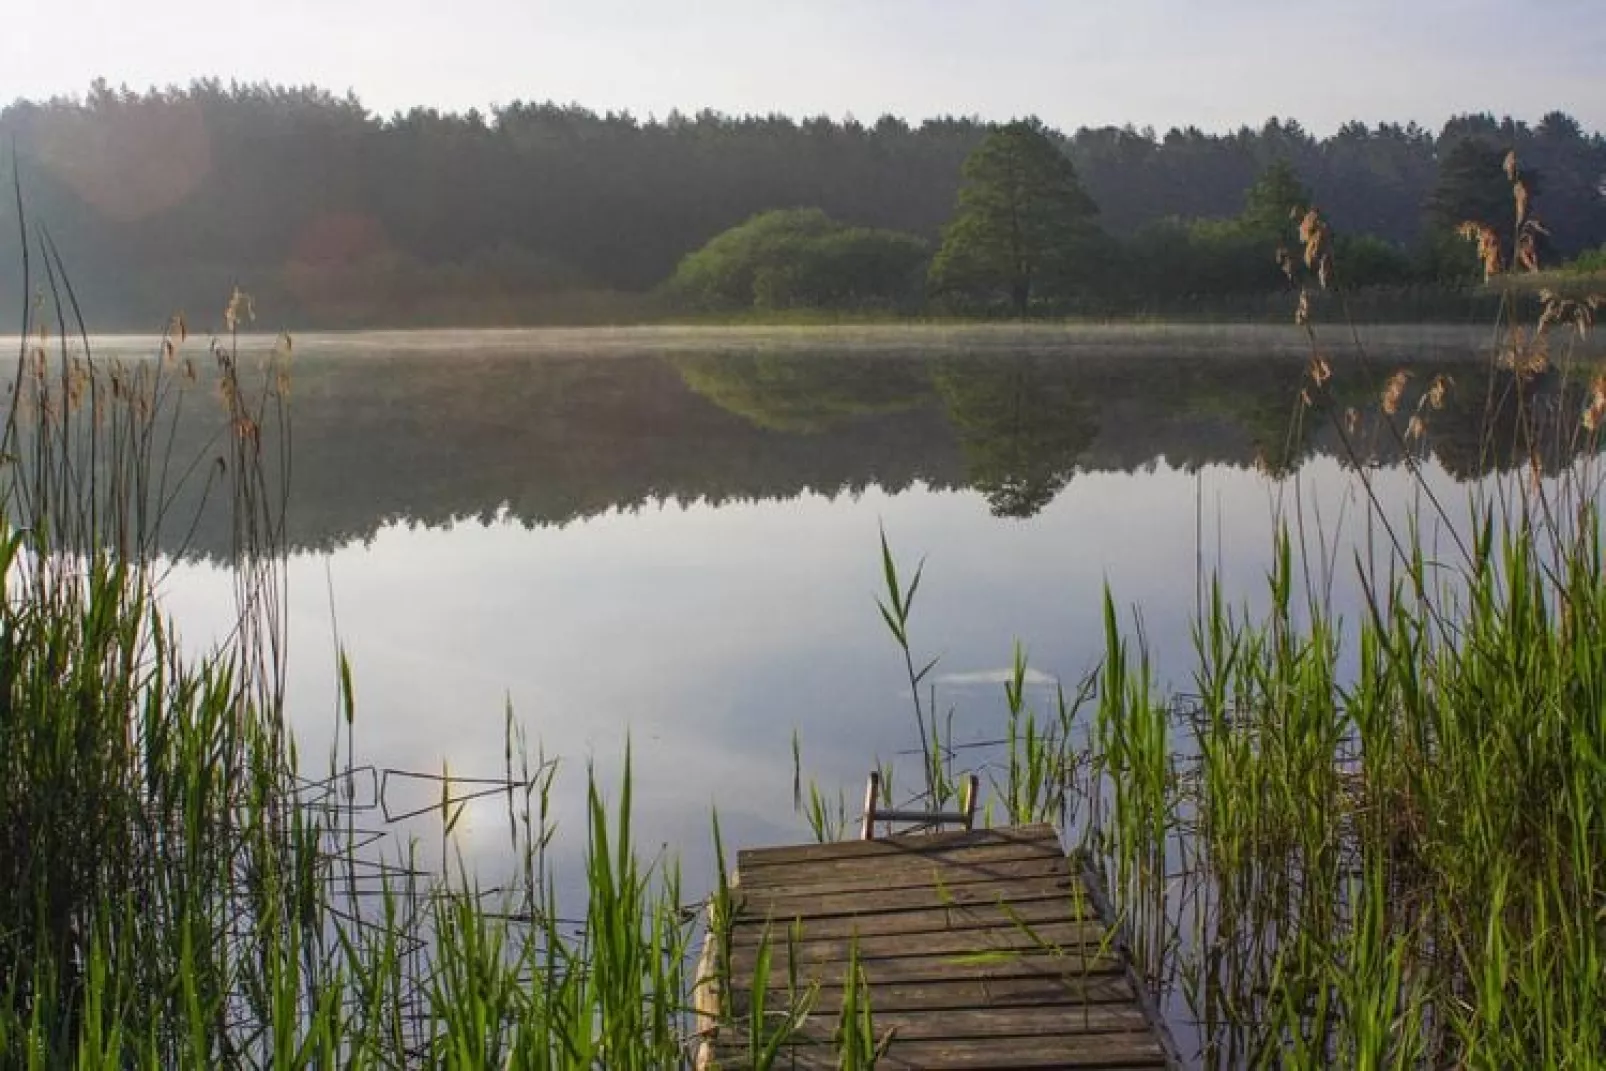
(435, 437)
(683, 547)
(681, 550)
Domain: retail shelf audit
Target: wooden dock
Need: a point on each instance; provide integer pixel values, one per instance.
(978, 949)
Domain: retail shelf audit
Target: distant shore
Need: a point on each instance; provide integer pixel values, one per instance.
(1394, 342)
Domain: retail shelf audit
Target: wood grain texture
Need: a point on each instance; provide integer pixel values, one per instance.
(978, 949)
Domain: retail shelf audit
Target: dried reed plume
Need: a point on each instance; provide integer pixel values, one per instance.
(1393, 390)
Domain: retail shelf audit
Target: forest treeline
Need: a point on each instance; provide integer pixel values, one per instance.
(334, 216)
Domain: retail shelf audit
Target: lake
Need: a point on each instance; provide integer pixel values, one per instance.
(671, 537)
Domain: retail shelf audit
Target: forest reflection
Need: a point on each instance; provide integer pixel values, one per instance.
(432, 439)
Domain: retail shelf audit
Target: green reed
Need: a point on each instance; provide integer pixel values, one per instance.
(1403, 863)
(154, 901)
(1039, 779)
(1387, 835)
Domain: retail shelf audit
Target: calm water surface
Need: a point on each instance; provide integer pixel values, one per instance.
(672, 538)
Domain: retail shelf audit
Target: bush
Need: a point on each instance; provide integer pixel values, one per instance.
(1590, 261)
(801, 258)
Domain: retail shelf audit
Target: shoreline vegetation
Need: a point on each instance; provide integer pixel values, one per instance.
(1427, 305)
(846, 336)
(1374, 843)
(1449, 304)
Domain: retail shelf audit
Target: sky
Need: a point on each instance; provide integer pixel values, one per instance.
(1216, 64)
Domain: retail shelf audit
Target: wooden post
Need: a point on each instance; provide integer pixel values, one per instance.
(872, 792)
(968, 804)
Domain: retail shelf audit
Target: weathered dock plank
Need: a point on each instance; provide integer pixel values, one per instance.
(974, 949)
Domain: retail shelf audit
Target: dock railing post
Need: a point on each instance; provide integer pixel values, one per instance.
(965, 816)
(872, 792)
